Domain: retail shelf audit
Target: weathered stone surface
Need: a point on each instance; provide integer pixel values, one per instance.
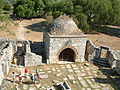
(83, 82)
(65, 79)
(70, 70)
(25, 87)
(71, 77)
(44, 76)
(31, 59)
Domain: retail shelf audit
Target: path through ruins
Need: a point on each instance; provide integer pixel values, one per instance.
(21, 32)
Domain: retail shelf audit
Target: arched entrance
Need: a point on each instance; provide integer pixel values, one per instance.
(67, 54)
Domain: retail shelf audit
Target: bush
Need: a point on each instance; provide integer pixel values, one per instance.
(56, 14)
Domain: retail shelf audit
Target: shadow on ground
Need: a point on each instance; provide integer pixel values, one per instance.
(111, 78)
(38, 27)
(112, 31)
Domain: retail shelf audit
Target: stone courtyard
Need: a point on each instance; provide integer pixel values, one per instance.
(79, 76)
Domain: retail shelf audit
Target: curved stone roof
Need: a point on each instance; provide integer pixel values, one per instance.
(64, 25)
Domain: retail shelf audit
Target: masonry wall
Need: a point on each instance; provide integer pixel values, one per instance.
(114, 60)
(57, 44)
(46, 41)
(6, 56)
(31, 59)
(93, 53)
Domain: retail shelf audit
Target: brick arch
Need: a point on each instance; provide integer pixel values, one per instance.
(68, 47)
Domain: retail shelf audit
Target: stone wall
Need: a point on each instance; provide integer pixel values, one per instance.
(46, 41)
(6, 56)
(93, 53)
(31, 59)
(54, 45)
(114, 60)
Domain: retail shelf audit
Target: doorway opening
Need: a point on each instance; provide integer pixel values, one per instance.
(67, 55)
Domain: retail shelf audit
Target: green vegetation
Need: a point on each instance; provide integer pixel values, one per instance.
(86, 13)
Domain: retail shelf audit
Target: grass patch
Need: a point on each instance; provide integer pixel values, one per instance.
(5, 18)
(28, 31)
(2, 27)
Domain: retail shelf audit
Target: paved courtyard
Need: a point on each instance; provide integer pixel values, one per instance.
(78, 75)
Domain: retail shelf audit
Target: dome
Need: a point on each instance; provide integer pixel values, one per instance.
(64, 25)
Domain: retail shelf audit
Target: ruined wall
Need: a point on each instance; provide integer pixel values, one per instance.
(31, 59)
(93, 53)
(114, 60)
(6, 56)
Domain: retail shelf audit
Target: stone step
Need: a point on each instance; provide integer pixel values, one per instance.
(101, 63)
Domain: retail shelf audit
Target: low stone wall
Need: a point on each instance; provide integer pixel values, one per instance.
(6, 56)
(31, 59)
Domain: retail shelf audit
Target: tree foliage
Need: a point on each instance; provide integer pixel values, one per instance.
(86, 13)
(1, 6)
(28, 8)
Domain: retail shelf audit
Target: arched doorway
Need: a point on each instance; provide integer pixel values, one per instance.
(67, 55)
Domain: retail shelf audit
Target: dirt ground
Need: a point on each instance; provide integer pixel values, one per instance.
(33, 30)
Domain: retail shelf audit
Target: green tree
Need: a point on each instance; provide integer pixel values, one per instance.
(1, 6)
(81, 21)
(28, 8)
(114, 13)
(95, 10)
(49, 5)
(7, 7)
(38, 7)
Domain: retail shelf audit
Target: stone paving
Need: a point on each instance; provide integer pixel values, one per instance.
(78, 76)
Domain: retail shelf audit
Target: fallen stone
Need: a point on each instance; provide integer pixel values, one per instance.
(59, 74)
(74, 82)
(86, 64)
(71, 77)
(65, 79)
(49, 72)
(44, 76)
(53, 69)
(70, 70)
(32, 88)
(68, 66)
(83, 82)
(38, 85)
(25, 86)
(41, 72)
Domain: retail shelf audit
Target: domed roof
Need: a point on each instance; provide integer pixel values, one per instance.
(64, 25)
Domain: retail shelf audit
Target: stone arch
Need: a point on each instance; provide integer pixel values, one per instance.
(67, 54)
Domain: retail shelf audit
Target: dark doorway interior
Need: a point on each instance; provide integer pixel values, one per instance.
(67, 55)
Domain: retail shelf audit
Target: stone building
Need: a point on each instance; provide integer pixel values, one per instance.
(64, 42)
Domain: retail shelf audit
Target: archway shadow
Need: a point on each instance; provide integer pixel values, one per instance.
(111, 78)
(38, 27)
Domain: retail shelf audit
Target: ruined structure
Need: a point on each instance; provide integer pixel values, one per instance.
(63, 43)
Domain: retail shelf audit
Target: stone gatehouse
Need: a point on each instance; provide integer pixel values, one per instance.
(64, 41)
